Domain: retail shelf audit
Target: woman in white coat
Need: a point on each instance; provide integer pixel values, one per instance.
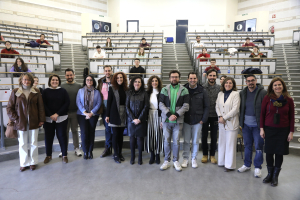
(227, 108)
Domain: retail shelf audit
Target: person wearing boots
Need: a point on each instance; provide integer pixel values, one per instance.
(212, 89)
(194, 119)
(277, 122)
(137, 107)
(251, 98)
(116, 112)
(154, 143)
(103, 86)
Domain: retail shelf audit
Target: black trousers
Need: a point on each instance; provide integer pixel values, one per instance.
(61, 134)
(213, 123)
(117, 140)
(270, 160)
(139, 141)
(87, 128)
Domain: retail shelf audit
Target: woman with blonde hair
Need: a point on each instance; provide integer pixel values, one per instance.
(141, 54)
(277, 122)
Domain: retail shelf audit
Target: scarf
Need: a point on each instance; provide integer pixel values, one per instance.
(88, 98)
(279, 102)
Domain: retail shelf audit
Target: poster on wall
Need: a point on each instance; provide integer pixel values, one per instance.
(98, 26)
(240, 26)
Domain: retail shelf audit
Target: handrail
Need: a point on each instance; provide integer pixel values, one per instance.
(23, 38)
(125, 47)
(26, 27)
(134, 73)
(37, 49)
(18, 33)
(26, 55)
(123, 58)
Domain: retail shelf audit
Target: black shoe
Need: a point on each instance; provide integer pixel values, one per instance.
(132, 161)
(140, 162)
(274, 181)
(157, 159)
(152, 158)
(268, 178)
(122, 157)
(117, 159)
(85, 156)
(91, 155)
(106, 152)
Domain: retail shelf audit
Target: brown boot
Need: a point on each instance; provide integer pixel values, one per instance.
(32, 167)
(47, 159)
(65, 159)
(204, 159)
(22, 169)
(106, 152)
(213, 160)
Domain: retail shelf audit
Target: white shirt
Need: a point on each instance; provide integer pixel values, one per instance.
(98, 55)
(153, 100)
(196, 44)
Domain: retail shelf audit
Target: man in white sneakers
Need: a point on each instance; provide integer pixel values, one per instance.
(194, 118)
(173, 103)
(251, 98)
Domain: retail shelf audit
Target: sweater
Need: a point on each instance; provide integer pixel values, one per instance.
(206, 55)
(8, 51)
(145, 45)
(72, 90)
(44, 41)
(210, 67)
(98, 55)
(140, 69)
(249, 45)
(56, 101)
(212, 91)
(286, 112)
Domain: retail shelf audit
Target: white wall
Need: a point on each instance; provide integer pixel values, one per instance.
(61, 15)
(287, 16)
(161, 15)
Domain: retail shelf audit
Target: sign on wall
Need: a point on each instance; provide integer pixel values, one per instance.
(98, 26)
(240, 26)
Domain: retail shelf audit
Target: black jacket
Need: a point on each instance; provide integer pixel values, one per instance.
(259, 96)
(113, 103)
(199, 106)
(137, 107)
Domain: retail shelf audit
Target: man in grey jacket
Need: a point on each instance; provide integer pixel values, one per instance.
(194, 118)
(251, 98)
(173, 103)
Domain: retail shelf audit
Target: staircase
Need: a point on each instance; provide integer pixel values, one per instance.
(288, 64)
(72, 56)
(175, 57)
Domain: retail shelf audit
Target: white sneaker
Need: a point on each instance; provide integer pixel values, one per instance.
(185, 163)
(194, 163)
(78, 152)
(257, 172)
(177, 166)
(244, 168)
(60, 155)
(165, 165)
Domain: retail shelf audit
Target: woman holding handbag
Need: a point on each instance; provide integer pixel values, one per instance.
(26, 109)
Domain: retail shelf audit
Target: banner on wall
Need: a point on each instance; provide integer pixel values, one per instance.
(98, 26)
(245, 25)
(240, 26)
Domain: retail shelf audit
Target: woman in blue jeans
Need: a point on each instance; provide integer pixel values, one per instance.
(88, 102)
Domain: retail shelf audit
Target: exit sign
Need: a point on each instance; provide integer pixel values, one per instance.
(244, 14)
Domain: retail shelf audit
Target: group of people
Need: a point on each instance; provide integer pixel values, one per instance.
(155, 116)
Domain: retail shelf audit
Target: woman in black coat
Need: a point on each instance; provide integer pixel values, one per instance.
(116, 112)
(137, 106)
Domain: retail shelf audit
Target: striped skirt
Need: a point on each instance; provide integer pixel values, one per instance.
(154, 140)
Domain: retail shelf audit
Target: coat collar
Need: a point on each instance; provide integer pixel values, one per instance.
(20, 91)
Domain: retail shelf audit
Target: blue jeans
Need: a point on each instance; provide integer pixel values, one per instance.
(252, 135)
(108, 131)
(191, 132)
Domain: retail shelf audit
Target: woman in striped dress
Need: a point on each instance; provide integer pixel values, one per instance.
(154, 143)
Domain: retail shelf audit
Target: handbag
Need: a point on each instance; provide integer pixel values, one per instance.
(10, 131)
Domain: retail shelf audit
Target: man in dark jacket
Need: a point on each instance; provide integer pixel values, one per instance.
(194, 118)
(173, 103)
(251, 98)
(103, 87)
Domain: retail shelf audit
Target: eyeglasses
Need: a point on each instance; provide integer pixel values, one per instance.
(249, 81)
(89, 80)
(174, 77)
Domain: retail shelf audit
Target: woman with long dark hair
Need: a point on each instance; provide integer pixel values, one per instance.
(88, 101)
(19, 66)
(116, 113)
(137, 107)
(108, 43)
(277, 122)
(154, 143)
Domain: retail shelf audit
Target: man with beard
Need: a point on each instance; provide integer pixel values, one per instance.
(173, 103)
(8, 50)
(103, 86)
(72, 88)
(251, 99)
(212, 89)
